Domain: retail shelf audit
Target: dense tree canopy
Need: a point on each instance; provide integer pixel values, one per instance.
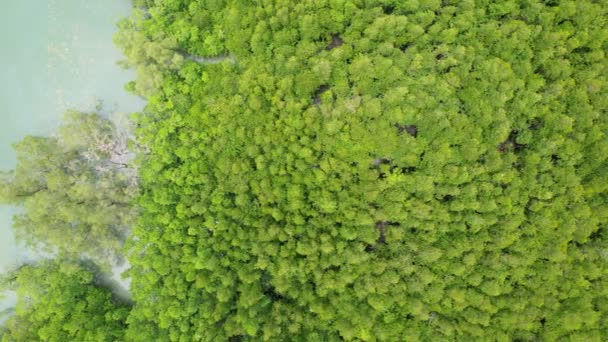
(373, 170)
(60, 301)
(327, 170)
(76, 188)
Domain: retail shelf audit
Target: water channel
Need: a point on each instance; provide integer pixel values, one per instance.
(55, 55)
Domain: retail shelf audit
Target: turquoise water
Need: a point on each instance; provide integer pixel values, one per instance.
(55, 55)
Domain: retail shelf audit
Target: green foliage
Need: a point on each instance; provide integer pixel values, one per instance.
(373, 170)
(148, 55)
(60, 301)
(76, 188)
(356, 170)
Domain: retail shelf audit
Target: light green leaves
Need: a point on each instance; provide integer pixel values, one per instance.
(374, 170)
(76, 188)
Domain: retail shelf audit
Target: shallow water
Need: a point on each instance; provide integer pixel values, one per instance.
(55, 55)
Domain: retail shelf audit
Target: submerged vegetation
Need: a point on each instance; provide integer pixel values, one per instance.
(76, 188)
(344, 170)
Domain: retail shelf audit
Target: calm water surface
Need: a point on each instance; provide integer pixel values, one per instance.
(55, 55)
